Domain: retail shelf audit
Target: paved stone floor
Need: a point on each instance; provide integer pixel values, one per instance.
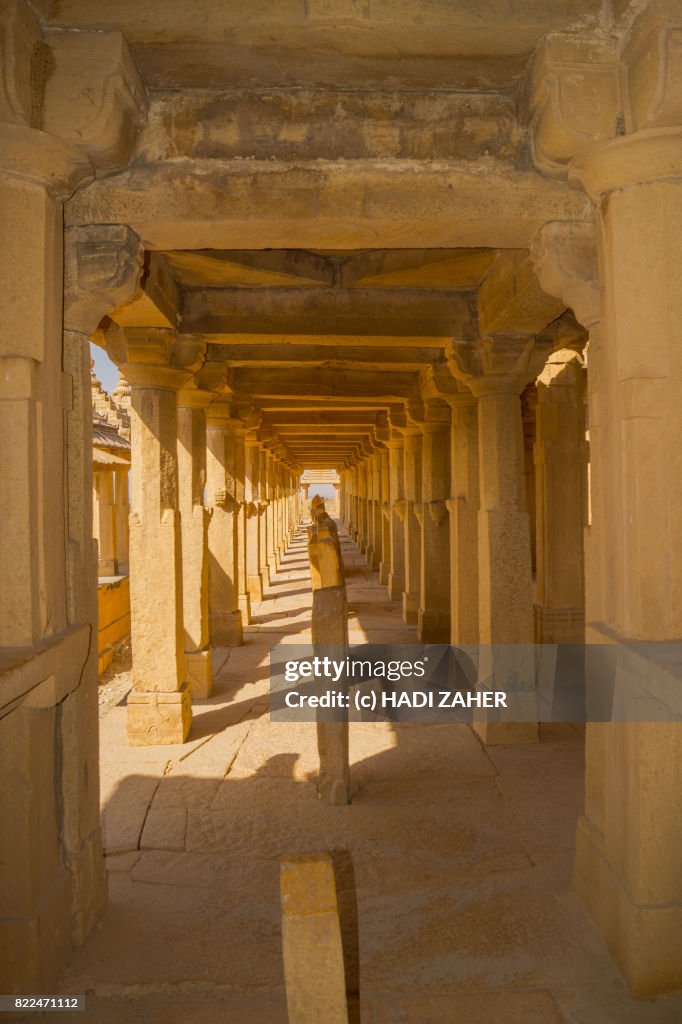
(456, 860)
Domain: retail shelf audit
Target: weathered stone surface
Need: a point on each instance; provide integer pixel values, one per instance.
(311, 942)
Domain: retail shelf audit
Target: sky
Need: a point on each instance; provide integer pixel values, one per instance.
(105, 371)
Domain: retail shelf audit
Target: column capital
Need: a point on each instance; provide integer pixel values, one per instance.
(652, 154)
(94, 96)
(436, 416)
(192, 397)
(564, 255)
(160, 378)
(220, 414)
(572, 98)
(153, 347)
(102, 270)
(581, 92)
(42, 159)
(497, 365)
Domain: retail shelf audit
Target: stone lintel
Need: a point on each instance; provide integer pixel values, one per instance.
(355, 204)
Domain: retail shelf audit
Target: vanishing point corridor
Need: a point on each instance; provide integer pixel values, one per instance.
(455, 860)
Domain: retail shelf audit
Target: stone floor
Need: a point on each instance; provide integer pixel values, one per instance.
(454, 861)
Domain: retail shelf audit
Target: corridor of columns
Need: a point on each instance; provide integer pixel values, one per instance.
(455, 864)
(429, 251)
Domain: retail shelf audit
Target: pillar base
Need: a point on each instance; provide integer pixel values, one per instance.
(396, 585)
(225, 629)
(433, 626)
(384, 571)
(199, 673)
(36, 949)
(254, 585)
(410, 608)
(244, 602)
(644, 941)
(159, 718)
(559, 625)
(334, 778)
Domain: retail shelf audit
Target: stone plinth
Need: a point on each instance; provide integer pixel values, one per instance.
(314, 971)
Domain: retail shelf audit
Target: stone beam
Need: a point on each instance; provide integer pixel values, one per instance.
(373, 357)
(312, 124)
(317, 419)
(354, 205)
(351, 384)
(328, 310)
(156, 303)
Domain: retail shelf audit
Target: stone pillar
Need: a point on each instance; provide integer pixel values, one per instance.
(561, 499)
(121, 516)
(243, 596)
(263, 518)
(362, 506)
(194, 522)
(159, 706)
(224, 615)
(497, 370)
(105, 528)
(433, 619)
(270, 515)
(369, 550)
(627, 857)
(413, 498)
(385, 564)
(375, 514)
(463, 507)
(254, 577)
(52, 884)
(396, 573)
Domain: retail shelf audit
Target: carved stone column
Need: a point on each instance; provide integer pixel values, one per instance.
(105, 529)
(433, 620)
(252, 502)
(385, 565)
(243, 596)
(49, 574)
(561, 499)
(362, 506)
(396, 572)
(159, 706)
(463, 508)
(194, 524)
(224, 615)
(627, 855)
(121, 517)
(412, 482)
(496, 370)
